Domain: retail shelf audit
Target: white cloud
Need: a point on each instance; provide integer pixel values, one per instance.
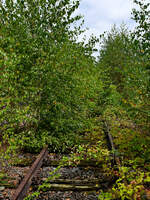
(100, 15)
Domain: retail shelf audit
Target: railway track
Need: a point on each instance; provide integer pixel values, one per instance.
(75, 182)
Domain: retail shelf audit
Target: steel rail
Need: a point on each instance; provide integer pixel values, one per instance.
(116, 159)
(22, 189)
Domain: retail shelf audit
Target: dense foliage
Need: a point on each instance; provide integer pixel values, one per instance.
(43, 85)
(124, 68)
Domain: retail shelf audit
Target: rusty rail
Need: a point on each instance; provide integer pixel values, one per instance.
(116, 159)
(22, 189)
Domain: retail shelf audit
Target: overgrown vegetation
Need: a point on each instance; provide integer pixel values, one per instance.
(47, 78)
(53, 91)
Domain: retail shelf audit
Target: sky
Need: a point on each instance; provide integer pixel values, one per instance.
(100, 15)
